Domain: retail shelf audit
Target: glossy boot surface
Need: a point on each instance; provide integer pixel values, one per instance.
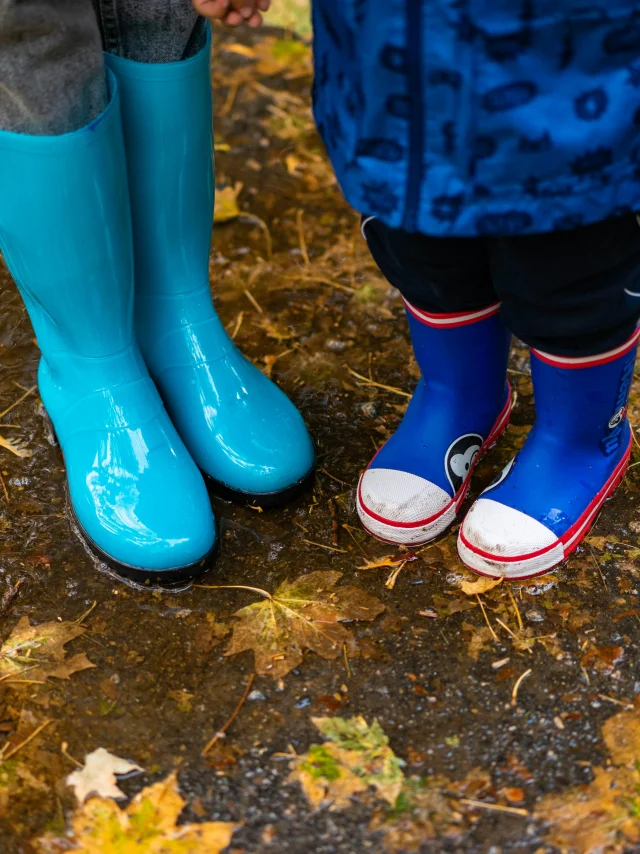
(241, 429)
(545, 501)
(414, 486)
(65, 234)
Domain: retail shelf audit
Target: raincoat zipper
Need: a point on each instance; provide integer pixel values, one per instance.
(416, 126)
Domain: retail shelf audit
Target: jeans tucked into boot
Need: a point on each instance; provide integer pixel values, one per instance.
(51, 62)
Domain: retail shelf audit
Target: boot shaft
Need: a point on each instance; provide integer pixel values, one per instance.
(583, 401)
(65, 233)
(167, 123)
(464, 352)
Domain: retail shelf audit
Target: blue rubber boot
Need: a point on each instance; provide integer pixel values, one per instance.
(241, 429)
(414, 486)
(545, 501)
(65, 233)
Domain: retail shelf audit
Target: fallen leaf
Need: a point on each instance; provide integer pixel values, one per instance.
(597, 818)
(603, 816)
(479, 585)
(303, 614)
(479, 640)
(324, 779)
(621, 734)
(40, 651)
(603, 659)
(146, 826)
(15, 448)
(98, 775)
(353, 757)
(422, 813)
(226, 203)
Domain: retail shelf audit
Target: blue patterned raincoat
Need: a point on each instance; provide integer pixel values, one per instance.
(481, 117)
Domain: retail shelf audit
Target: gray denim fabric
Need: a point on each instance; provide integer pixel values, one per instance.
(51, 66)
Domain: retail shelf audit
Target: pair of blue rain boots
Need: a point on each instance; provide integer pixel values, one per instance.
(145, 394)
(544, 502)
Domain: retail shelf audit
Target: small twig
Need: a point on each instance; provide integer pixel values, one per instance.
(516, 609)
(67, 755)
(324, 281)
(236, 712)
(322, 546)
(250, 217)
(390, 583)
(616, 702)
(4, 489)
(337, 479)
(516, 687)
(345, 652)
(507, 629)
(494, 807)
(335, 528)
(253, 301)
(301, 240)
(236, 328)
(86, 613)
(4, 756)
(486, 618)
(602, 578)
(367, 381)
(18, 401)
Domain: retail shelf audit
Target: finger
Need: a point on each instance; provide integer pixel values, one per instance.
(255, 20)
(212, 9)
(233, 19)
(263, 5)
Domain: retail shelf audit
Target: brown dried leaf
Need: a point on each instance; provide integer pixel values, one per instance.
(303, 614)
(621, 734)
(40, 651)
(596, 818)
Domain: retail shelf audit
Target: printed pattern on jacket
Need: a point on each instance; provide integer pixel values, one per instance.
(481, 117)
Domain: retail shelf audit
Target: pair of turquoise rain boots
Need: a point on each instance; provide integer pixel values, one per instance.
(146, 394)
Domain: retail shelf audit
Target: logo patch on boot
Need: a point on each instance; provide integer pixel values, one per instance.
(460, 457)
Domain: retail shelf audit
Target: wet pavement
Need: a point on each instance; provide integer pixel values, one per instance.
(443, 671)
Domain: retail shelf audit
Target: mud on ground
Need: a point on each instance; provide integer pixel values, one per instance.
(500, 702)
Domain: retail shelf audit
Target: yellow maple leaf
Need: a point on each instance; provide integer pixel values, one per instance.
(146, 826)
(226, 203)
(479, 585)
(40, 651)
(302, 614)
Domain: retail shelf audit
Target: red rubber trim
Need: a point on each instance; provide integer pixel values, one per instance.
(572, 363)
(451, 321)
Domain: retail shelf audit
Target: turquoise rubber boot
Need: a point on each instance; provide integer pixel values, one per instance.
(65, 232)
(240, 428)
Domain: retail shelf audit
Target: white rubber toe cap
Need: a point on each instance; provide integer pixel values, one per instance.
(496, 540)
(403, 508)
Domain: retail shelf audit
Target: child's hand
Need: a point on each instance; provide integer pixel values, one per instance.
(233, 12)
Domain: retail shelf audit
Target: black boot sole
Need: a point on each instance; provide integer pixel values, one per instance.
(266, 500)
(152, 577)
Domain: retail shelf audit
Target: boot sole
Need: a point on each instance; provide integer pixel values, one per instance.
(266, 500)
(438, 523)
(156, 577)
(539, 563)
